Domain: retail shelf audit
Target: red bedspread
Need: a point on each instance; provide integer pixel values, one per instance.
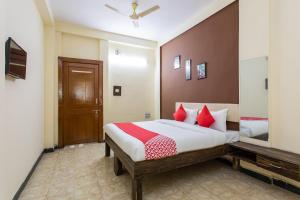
(156, 146)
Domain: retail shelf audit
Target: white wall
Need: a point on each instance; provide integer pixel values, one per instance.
(104, 50)
(23, 99)
(75, 46)
(157, 84)
(2, 82)
(108, 36)
(254, 26)
(49, 92)
(137, 80)
(284, 74)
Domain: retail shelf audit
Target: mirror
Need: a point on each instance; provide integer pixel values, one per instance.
(254, 121)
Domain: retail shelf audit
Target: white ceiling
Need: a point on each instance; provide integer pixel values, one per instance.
(93, 14)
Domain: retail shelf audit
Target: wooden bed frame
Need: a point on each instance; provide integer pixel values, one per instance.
(138, 170)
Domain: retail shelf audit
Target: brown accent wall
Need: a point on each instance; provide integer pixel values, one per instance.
(214, 41)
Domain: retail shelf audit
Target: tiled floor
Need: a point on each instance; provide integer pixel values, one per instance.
(84, 173)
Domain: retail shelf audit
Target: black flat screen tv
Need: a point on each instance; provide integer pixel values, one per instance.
(15, 60)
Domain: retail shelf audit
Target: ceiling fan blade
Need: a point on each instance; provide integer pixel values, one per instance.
(135, 23)
(115, 9)
(150, 10)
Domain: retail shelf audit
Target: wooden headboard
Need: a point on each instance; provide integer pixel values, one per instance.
(233, 117)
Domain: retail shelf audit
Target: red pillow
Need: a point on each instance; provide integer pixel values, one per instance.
(180, 114)
(204, 118)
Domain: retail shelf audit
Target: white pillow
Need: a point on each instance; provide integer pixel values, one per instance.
(220, 120)
(191, 116)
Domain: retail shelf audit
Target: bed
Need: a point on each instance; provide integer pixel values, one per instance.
(194, 145)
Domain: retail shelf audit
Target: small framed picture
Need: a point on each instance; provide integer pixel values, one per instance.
(201, 71)
(188, 71)
(117, 90)
(177, 62)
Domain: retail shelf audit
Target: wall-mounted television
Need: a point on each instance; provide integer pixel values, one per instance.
(15, 60)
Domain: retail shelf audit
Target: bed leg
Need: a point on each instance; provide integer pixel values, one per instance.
(117, 167)
(236, 163)
(137, 189)
(107, 150)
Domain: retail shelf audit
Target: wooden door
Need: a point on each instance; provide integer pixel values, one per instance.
(80, 101)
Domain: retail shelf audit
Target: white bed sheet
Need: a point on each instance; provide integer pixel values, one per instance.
(187, 137)
(253, 128)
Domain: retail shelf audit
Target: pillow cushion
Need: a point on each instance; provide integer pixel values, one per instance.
(205, 118)
(220, 120)
(191, 116)
(180, 114)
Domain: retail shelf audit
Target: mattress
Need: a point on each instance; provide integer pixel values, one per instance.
(187, 137)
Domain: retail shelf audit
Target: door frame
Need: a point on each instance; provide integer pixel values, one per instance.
(60, 119)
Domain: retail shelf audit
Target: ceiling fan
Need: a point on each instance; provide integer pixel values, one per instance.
(135, 16)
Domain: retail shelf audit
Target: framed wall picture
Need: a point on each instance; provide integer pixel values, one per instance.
(188, 71)
(177, 62)
(117, 90)
(201, 71)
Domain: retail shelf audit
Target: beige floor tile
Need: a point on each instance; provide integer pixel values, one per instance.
(37, 192)
(83, 173)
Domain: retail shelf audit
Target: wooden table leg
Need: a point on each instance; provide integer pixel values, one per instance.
(137, 189)
(236, 163)
(107, 150)
(118, 169)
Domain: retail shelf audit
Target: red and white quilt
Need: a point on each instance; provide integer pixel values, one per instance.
(156, 146)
